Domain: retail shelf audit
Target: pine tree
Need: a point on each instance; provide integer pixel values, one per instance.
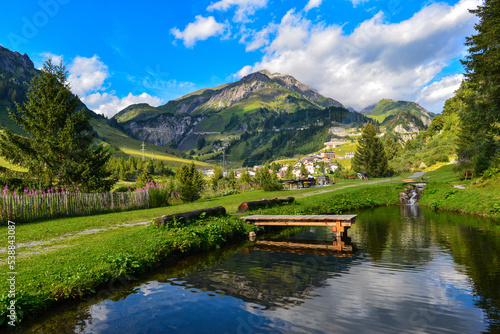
(480, 118)
(245, 176)
(268, 180)
(289, 173)
(217, 177)
(59, 148)
(190, 183)
(391, 147)
(303, 170)
(370, 156)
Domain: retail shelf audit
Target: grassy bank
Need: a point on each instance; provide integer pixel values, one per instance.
(471, 197)
(70, 258)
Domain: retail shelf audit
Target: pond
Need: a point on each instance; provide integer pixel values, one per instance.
(404, 270)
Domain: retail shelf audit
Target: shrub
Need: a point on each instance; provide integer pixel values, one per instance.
(443, 158)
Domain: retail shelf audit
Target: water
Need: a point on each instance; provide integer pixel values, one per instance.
(405, 270)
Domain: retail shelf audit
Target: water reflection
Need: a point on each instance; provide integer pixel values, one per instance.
(338, 247)
(405, 270)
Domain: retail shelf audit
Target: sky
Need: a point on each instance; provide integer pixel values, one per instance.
(354, 51)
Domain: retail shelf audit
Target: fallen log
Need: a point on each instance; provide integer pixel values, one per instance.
(245, 206)
(186, 216)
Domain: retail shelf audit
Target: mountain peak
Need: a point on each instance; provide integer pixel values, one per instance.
(15, 66)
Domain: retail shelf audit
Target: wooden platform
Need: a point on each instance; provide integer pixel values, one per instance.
(339, 223)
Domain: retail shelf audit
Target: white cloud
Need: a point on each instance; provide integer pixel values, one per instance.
(260, 38)
(199, 30)
(244, 9)
(109, 104)
(357, 2)
(439, 91)
(377, 60)
(87, 75)
(87, 78)
(312, 4)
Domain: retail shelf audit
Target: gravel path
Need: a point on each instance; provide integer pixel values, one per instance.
(417, 174)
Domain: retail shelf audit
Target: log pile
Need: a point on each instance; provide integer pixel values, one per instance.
(245, 206)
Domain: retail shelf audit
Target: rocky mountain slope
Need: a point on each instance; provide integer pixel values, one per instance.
(16, 71)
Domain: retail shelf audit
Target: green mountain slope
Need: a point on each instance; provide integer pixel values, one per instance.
(434, 147)
(400, 116)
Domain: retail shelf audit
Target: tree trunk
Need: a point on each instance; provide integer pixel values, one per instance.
(245, 206)
(190, 215)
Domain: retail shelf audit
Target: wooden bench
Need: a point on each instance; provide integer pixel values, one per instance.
(339, 223)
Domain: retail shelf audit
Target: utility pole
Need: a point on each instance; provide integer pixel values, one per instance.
(143, 149)
(223, 159)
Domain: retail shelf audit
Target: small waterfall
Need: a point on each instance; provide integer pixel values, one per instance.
(411, 195)
(413, 198)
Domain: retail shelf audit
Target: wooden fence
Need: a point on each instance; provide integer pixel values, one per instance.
(28, 208)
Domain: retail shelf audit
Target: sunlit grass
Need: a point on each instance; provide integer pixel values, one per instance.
(6, 164)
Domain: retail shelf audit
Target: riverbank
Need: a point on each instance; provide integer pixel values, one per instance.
(446, 192)
(71, 258)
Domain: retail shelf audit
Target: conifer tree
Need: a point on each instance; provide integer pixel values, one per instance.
(217, 177)
(190, 183)
(245, 176)
(370, 156)
(59, 148)
(391, 147)
(480, 119)
(289, 173)
(268, 180)
(303, 170)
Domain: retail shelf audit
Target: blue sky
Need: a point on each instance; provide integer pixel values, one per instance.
(355, 51)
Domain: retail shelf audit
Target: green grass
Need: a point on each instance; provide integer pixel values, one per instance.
(478, 197)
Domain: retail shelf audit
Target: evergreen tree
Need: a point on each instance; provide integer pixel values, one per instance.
(144, 178)
(289, 173)
(268, 180)
(370, 156)
(245, 176)
(391, 147)
(59, 147)
(480, 119)
(303, 170)
(190, 183)
(217, 177)
(231, 177)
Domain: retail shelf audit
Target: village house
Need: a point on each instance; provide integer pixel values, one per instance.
(349, 155)
(329, 155)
